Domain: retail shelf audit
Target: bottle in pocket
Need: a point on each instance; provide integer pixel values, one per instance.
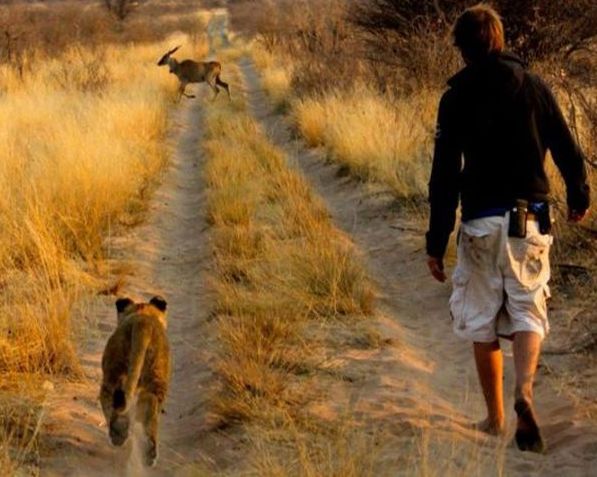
(517, 226)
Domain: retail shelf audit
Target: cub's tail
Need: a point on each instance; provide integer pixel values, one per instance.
(122, 398)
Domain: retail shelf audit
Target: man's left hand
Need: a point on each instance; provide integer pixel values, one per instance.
(577, 215)
(436, 267)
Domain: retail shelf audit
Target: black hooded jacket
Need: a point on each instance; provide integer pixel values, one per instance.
(503, 119)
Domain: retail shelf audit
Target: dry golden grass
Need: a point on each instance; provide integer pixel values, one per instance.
(376, 139)
(82, 143)
(276, 75)
(575, 244)
(352, 447)
(21, 401)
(280, 264)
(335, 451)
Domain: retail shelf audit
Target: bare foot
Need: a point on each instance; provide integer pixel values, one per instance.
(528, 436)
(489, 427)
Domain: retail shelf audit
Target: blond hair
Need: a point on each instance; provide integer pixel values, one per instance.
(478, 32)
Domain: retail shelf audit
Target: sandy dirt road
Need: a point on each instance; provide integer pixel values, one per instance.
(428, 381)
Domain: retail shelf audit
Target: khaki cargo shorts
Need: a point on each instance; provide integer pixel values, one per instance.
(500, 283)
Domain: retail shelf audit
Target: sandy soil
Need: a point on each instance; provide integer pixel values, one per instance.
(427, 382)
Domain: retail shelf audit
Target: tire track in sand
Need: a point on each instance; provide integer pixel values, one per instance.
(167, 255)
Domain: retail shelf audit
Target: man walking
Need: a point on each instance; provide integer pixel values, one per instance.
(501, 120)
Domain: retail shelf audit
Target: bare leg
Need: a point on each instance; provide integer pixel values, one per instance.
(182, 93)
(489, 361)
(215, 90)
(526, 349)
(224, 85)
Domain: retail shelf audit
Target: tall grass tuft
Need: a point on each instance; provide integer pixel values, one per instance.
(378, 140)
(276, 75)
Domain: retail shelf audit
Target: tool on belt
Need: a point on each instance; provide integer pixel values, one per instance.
(523, 211)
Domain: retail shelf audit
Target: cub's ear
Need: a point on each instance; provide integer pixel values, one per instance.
(122, 303)
(159, 303)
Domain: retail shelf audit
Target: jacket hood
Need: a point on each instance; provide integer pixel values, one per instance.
(498, 72)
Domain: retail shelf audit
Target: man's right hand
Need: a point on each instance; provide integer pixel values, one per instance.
(436, 267)
(577, 215)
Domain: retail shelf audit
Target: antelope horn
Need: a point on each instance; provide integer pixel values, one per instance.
(173, 50)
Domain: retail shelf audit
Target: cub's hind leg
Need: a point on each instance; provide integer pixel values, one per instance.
(118, 424)
(105, 397)
(148, 410)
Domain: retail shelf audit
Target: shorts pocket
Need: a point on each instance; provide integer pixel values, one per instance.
(477, 250)
(460, 282)
(531, 259)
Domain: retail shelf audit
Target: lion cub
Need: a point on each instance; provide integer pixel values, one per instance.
(136, 365)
